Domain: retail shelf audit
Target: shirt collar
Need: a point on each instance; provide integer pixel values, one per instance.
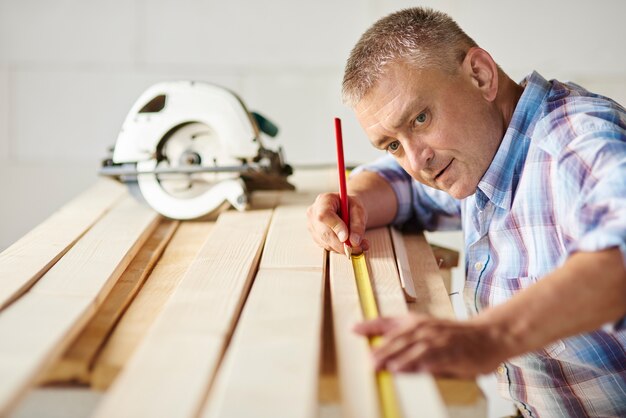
(499, 182)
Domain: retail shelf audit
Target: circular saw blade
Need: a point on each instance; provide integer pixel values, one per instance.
(190, 196)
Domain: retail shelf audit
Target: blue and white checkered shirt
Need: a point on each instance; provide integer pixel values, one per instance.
(556, 185)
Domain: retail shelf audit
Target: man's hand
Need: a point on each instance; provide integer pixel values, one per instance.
(444, 348)
(327, 228)
(371, 202)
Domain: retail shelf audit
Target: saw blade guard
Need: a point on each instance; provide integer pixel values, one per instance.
(165, 106)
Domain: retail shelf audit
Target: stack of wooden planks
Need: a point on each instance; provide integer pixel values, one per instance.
(239, 317)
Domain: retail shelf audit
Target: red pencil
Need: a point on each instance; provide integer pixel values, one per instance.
(343, 194)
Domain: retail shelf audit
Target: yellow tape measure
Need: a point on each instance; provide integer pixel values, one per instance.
(384, 379)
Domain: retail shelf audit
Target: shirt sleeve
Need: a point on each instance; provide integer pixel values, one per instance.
(429, 208)
(595, 164)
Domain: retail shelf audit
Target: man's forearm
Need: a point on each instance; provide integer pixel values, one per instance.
(588, 291)
(376, 195)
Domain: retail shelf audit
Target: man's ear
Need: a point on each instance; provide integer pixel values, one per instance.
(483, 72)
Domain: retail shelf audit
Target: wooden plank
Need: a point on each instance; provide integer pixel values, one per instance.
(271, 368)
(461, 397)
(75, 364)
(432, 296)
(171, 371)
(289, 244)
(273, 359)
(329, 395)
(356, 376)
(24, 262)
(39, 326)
(417, 393)
(402, 260)
(141, 314)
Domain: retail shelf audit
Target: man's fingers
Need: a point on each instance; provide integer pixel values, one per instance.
(328, 229)
(391, 348)
(358, 220)
(324, 223)
(378, 326)
(406, 333)
(410, 360)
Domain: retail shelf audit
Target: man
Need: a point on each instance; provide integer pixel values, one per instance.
(534, 173)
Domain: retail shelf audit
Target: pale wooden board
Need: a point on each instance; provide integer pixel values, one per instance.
(289, 244)
(354, 366)
(402, 260)
(24, 262)
(172, 369)
(329, 396)
(273, 359)
(75, 364)
(432, 296)
(419, 396)
(133, 326)
(40, 325)
(384, 273)
(461, 397)
(417, 393)
(272, 364)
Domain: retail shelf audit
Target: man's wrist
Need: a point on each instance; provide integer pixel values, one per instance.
(509, 337)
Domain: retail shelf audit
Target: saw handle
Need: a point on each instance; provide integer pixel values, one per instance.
(265, 125)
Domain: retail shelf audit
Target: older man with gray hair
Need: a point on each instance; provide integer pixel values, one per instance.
(534, 173)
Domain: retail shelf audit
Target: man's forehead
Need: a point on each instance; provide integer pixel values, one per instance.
(388, 106)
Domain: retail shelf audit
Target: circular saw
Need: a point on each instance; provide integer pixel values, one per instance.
(190, 149)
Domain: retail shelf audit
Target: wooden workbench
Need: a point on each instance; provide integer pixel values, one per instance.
(239, 317)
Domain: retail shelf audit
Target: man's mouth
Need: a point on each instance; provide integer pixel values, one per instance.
(444, 169)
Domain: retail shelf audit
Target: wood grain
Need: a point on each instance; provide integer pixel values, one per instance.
(417, 393)
(273, 359)
(24, 262)
(39, 326)
(431, 294)
(359, 397)
(171, 371)
(461, 397)
(289, 245)
(133, 326)
(75, 364)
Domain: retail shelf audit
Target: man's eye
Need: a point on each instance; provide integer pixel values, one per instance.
(421, 118)
(393, 146)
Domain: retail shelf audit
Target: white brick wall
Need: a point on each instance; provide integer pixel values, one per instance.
(68, 33)
(75, 115)
(248, 35)
(564, 39)
(4, 115)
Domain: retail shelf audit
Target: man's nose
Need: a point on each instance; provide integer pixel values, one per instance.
(419, 156)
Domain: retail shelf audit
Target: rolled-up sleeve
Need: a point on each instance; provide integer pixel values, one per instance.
(600, 213)
(429, 208)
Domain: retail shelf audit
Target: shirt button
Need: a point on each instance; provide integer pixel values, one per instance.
(478, 266)
(501, 369)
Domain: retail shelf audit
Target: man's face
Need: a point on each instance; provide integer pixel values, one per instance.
(438, 126)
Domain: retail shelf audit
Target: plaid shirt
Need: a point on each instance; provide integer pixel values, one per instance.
(556, 185)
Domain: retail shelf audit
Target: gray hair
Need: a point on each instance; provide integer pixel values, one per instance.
(421, 37)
